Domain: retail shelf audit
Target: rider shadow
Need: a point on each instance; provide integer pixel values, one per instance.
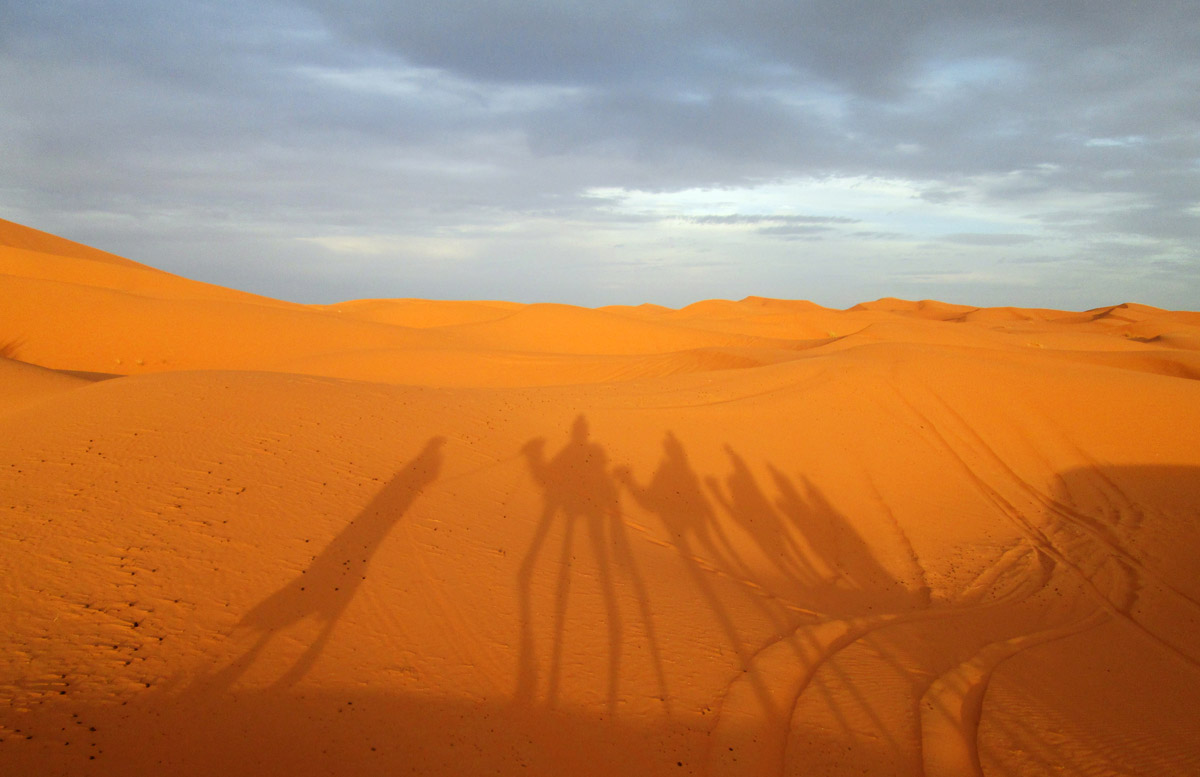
(810, 555)
(708, 555)
(852, 576)
(578, 489)
(754, 514)
(326, 587)
(813, 552)
(796, 550)
(673, 494)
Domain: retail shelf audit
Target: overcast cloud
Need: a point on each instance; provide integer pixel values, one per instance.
(1031, 153)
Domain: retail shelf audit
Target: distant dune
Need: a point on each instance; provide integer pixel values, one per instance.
(381, 537)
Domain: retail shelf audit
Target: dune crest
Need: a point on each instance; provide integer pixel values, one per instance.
(247, 536)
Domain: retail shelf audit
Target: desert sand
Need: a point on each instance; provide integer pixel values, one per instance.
(245, 536)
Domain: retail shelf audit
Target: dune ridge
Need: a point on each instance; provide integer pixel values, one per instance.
(753, 536)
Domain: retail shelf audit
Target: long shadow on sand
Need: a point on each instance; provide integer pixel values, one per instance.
(1125, 535)
(704, 550)
(795, 561)
(578, 489)
(325, 588)
(789, 562)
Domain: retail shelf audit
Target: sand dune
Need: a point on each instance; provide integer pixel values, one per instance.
(21, 383)
(750, 537)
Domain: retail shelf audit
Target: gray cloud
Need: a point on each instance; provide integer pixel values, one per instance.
(795, 231)
(988, 239)
(783, 221)
(497, 128)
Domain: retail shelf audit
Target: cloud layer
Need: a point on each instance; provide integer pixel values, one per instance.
(1017, 153)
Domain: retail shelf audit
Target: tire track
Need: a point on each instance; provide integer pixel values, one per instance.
(742, 744)
(1063, 539)
(951, 708)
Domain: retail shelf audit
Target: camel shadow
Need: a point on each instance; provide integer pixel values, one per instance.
(794, 558)
(577, 488)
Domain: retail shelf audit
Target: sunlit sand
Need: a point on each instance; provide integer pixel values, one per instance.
(245, 536)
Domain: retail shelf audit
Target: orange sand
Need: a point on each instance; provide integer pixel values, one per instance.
(243, 536)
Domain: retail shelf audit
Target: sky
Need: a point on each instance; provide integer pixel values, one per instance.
(1031, 153)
